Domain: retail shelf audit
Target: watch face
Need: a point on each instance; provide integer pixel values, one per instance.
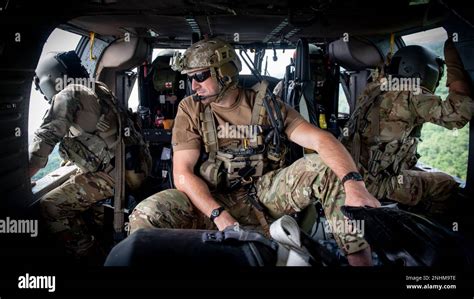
(215, 213)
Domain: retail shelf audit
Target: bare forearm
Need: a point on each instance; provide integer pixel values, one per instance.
(196, 188)
(197, 191)
(334, 155)
(331, 151)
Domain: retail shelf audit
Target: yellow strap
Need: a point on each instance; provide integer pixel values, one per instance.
(91, 48)
(392, 44)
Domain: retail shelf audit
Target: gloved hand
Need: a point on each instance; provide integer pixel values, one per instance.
(455, 68)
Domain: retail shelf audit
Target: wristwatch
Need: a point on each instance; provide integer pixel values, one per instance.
(216, 212)
(352, 176)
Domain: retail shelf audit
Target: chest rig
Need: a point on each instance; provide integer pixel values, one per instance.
(94, 151)
(232, 167)
(374, 158)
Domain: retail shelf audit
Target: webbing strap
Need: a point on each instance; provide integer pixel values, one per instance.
(391, 50)
(362, 110)
(91, 47)
(356, 148)
(375, 121)
(119, 194)
(258, 111)
(209, 130)
(258, 108)
(286, 232)
(239, 235)
(119, 191)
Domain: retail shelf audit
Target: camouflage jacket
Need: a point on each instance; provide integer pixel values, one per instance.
(77, 113)
(383, 132)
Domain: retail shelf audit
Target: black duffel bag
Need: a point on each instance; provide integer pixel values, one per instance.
(186, 247)
(400, 237)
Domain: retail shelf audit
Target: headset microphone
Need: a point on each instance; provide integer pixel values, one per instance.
(197, 97)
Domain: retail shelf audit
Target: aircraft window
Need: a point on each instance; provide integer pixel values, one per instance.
(343, 103)
(133, 99)
(59, 40)
(444, 149)
(274, 68)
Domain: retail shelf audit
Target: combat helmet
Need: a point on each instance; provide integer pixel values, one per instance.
(417, 62)
(215, 54)
(54, 66)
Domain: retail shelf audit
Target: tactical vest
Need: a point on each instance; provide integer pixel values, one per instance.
(374, 158)
(93, 152)
(231, 166)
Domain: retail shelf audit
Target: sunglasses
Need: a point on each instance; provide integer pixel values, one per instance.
(200, 77)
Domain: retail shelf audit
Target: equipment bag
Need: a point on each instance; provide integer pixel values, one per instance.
(406, 238)
(189, 247)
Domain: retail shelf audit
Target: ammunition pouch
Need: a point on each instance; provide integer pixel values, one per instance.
(408, 156)
(231, 170)
(240, 168)
(89, 152)
(277, 155)
(395, 157)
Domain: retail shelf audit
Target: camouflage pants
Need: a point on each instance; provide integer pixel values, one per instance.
(427, 191)
(61, 208)
(284, 191)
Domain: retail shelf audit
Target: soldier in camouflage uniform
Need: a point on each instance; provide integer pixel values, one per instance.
(383, 133)
(200, 201)
(83, 119)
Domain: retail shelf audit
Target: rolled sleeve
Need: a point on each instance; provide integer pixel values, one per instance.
(292, 119)
(185, 131)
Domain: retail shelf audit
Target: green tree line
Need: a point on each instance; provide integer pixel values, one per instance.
(54, 161)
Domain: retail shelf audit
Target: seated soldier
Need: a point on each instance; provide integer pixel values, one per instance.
(383, 133)
(84, 120)
(243, 180)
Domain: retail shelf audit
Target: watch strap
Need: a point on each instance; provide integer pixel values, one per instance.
(352, 176)
(216, 213)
